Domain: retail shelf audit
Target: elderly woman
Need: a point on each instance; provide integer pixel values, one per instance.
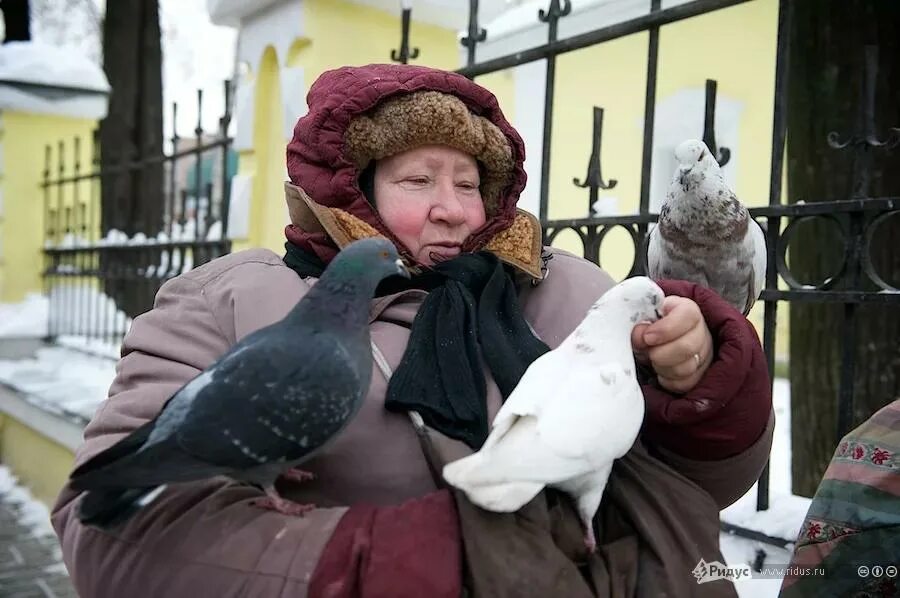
(427, 159)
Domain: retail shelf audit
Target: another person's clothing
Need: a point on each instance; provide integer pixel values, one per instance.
(853, 523)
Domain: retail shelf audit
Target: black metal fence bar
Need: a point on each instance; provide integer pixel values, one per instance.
(751, 534)
(649, 125)
(858, 220)
(475, 33)
(551, 16)
(605, 34)
(779, 134)
(84, 266)
(134, 165)
(73, 251)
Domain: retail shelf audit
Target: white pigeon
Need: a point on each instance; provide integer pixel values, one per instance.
(705, 235)
(575, 410)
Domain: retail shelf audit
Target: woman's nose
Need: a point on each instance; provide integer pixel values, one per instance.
(448, 207)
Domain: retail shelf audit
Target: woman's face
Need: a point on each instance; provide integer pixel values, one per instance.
(429, 198)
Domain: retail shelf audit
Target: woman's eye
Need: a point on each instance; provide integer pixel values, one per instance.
(467, 185)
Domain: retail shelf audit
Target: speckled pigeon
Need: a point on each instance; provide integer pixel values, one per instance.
(705, 235)
(575, 410)
(267, 405)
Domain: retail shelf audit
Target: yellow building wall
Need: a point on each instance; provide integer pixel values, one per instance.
(41, 464)
(24, 137)
(613, 75)
(268, 217)
(354, 34)
(502, 84)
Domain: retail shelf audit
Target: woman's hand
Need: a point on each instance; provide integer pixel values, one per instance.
(679, 346)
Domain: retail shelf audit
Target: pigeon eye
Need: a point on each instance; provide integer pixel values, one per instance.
(700, 157)
(384, 254)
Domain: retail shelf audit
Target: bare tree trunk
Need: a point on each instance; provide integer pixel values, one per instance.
(17, 20)
(132, 199)
(828, 41)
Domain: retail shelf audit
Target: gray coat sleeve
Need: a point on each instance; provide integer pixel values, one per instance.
(198, 539)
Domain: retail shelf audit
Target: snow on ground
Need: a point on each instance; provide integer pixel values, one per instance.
(784, 516)
(33, 514)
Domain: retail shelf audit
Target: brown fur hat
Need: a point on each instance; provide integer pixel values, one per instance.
(421, 118)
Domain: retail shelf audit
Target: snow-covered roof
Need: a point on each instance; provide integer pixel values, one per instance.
(230, 12)
(35, 63)
(36, 77)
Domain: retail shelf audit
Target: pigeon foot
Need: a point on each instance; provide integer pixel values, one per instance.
(298, 475)
(283, 506)
(274, 502)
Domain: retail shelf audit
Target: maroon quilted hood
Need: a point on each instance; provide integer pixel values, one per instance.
(317, 160)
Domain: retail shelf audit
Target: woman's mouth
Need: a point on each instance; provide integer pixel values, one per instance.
(441, 251)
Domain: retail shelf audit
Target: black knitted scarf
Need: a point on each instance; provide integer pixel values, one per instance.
(471, 313)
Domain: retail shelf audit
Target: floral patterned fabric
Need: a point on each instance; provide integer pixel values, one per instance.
(852, 529)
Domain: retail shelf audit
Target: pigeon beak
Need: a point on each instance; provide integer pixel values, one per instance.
(401, 268)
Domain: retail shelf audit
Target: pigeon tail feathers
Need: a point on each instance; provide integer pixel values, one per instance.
(458, 472)
(504, 498)
(497, 497)
(125, 447)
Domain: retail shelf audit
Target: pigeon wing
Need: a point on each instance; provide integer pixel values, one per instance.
(271, 403)
(759, 254)
(538, 383)
(655, 254)
(238, 415)
(595, 413)
(560, 422)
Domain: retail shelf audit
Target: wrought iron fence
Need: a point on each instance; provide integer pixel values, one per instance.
(90, 273)
(857, 219)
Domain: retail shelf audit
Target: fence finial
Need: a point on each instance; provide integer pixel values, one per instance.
(721, 154)
(475, 33)
(405, 54)
(865, 137)
(594, 179)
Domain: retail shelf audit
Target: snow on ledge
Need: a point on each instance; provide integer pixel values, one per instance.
(230, 13)
(42, 79)
(27, 319)
(61, 380)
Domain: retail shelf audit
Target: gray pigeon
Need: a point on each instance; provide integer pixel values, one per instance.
(267, 405)
(705, 235)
